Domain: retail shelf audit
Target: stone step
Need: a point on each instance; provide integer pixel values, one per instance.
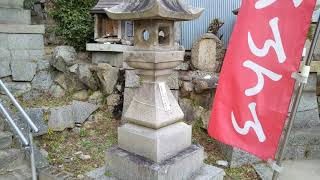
(22, 172)
(10, 158)
(304, 144)
(15, 16)
(5, 140)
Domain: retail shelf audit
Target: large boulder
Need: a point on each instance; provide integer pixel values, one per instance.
(86, 77)
(204, 53)
(63, 56)
(108, 77)
(42, 80)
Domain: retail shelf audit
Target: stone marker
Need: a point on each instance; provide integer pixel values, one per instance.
(203, 52)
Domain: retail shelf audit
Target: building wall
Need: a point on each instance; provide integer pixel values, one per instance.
(221, 9)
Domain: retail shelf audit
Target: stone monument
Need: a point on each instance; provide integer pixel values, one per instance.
(155, 144)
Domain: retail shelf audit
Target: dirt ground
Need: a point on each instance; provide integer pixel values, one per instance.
(96, 135)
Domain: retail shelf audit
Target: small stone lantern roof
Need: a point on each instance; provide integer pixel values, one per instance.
(102, 4)
(153, 9)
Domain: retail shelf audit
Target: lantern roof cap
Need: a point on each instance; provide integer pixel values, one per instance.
(102, 4)
(153, 9)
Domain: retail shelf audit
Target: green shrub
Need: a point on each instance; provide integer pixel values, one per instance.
(74, 23)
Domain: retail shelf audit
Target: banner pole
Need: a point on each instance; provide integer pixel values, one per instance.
(296, 102)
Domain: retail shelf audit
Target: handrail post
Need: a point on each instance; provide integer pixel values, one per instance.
(32, 158)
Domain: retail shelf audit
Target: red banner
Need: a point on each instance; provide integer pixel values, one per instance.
(255, 86)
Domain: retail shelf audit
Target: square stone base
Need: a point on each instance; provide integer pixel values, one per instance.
(206, 172)
(128, 166)
(157, 145)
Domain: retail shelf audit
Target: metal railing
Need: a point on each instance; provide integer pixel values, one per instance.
(27, 143)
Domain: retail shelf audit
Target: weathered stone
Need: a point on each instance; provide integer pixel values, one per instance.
(11, 3)
(42, 80)
(113, 99)
(56, 91)
(157, 145)
(108, 77)
(203, 53)
(237, 157)
(63, 56)
(132, 80)
(69, 82)
(26, 42)
(74, 68)
(31, 95)
(43, 65)
(5, 140)
(23, 70)
(22, 29)
(203, 99)
(86, 76)
(96, 98)
(82, 110)
(10, 158)
(80, 95)
(308, 114)
(187, 108)
(126, 165)
(17, 88)
(205, 118)
(14, 16)
(61, 118)
(115, 59)
(5, 68)
(37, 117)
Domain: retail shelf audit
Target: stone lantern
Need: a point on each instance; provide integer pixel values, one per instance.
(155, 143)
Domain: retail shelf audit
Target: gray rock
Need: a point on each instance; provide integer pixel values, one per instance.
(61, 118)
(80, 95)
(82, 110)
(237, 157)
(23, 70)
(31, 95)
(205, 118)
(69, 82)
(17, 88)
(86, 76)
(5, 68)
(187, 108)
(63, 56)
(43, 65)
(108, 77)
(42, 80)
(56, 91)
(115, 59)
(37, 117)
(128, 95)
(74, 68)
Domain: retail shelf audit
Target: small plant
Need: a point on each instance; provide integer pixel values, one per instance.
(74, 22)
(215, 26)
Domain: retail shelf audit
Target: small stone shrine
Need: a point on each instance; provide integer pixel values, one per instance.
(155, 144)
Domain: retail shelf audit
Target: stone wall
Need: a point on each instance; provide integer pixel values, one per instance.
(21, 49)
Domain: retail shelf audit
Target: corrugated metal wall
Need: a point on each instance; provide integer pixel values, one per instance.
(221, 9)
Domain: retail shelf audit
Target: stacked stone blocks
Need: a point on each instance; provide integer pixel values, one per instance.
(21, 46)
